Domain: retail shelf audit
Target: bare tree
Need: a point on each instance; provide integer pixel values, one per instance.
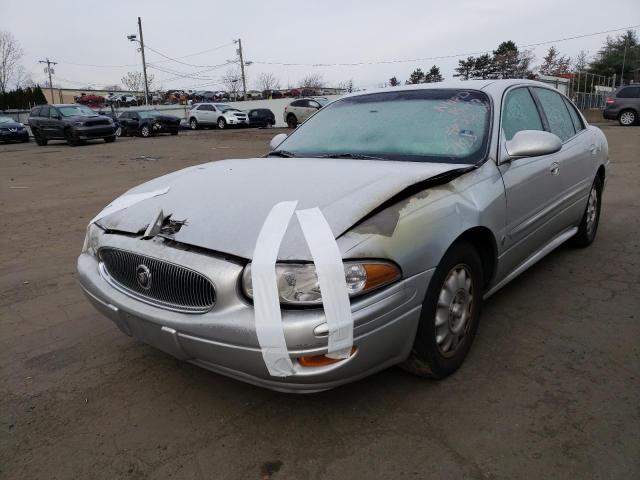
(582, 61)
(22, 78)
(346, 86)
(554, 63)
(10, 55)
(134, 81)
(113, 88)
(232, 81)
(313, 80)
(268, 81)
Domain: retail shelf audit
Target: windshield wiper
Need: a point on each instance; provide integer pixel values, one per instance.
(281, 153)
(357, 156)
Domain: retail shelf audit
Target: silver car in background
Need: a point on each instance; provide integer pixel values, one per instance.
(438, 195)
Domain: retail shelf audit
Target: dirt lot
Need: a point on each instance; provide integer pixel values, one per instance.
(551, 388)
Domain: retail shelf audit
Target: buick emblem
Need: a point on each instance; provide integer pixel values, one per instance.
(143, 276)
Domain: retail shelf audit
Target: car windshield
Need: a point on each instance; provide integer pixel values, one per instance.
(428, 125)
(223, 107)
(76, 111)
(149, 114)
(6, 120)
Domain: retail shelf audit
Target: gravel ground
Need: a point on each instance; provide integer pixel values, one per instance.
(551, 388)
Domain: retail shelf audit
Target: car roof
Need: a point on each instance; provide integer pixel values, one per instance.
(494, 87)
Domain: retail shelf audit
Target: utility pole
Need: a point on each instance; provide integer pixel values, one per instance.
(624, 57)
(144, 64)
(244, 80)
(49, 70)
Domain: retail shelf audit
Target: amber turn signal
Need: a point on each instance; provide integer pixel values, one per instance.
(379, 274)
(321, 360)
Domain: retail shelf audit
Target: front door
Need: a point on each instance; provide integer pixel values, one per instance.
(533, 185)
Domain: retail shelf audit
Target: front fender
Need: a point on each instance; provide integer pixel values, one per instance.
(417, 231)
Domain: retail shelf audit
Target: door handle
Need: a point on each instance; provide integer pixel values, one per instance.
(594, 149)
(555, 168)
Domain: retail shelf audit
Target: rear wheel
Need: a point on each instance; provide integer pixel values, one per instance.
(627, 118)
(292, 121)
(591, 218)
(269, 124)
(193, 124)
(450, 314)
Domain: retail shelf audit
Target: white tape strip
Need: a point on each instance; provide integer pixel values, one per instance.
(266, 301)
(330, 270)
(126, 201)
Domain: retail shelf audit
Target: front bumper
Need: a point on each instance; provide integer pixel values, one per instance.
(224, 340)
(99, 131)
(19, 135)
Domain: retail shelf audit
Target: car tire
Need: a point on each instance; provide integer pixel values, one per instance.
(591, 218)
(450, 314)
(71, 137)
(118, 132)
(269, 124)
(628, 117)
(174, 133)
(40, 139)
(110, 139)
(222, 123)
(193, 124)
(25, 140)
(292, 121)
(145, 131)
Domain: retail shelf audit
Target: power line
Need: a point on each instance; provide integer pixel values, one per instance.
(441, 57)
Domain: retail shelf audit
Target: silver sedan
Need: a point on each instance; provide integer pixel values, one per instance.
(435, 195)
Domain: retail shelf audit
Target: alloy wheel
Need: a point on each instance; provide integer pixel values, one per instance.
(221, 124)
(119, 132)
(454, 310)
(145, 132)
(627, 118)
(592, 211)
(193, 124)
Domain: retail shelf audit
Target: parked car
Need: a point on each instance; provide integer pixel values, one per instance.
(121, 100)
(220, 115)
(624, 105)
(299, 110)
(74, 123)
(437, 196)
(113, 116)
(92, 101)
(10, 131)
(148, 123)
(261, 117)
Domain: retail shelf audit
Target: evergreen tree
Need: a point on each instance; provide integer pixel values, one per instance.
(393, 81)
(554, 63)
(417, 76)
(609, 59)
(483, 67)
(433, 75)
(465, 67)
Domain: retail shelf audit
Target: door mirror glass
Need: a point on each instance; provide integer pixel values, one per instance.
(532, 143)
(277, 140)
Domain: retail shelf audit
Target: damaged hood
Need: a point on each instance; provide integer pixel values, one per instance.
(225, 203)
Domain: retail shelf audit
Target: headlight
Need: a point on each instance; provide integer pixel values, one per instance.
(298, 282)
(92, 239)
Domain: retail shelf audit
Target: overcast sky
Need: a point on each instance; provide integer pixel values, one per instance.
(328, 31)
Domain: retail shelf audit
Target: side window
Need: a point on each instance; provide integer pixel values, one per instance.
(519, 113)
(313, 104)
(629, 92)
(298, 103)
(35, 112)
(556, 111)
(575, 117)
(44, 112)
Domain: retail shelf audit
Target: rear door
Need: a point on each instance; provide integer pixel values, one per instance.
(310, 107)
(42, 121)
(533, 186)
(578, 157)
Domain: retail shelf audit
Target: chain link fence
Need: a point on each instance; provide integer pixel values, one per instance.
(589, 90)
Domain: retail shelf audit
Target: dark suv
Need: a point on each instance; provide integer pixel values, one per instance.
(624, 105)
(73, 123)
(261, 117)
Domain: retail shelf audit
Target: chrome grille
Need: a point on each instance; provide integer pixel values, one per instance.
(169, 285)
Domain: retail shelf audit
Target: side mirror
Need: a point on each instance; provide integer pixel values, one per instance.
(532, 143)
(277, 140)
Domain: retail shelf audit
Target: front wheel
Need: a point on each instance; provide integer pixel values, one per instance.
(292, 121)
(591, 218)
(145, 131)
(450, 314)
(627, 118)
(40, 138)
(119, 132)
(222, 123)
(71, 137)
